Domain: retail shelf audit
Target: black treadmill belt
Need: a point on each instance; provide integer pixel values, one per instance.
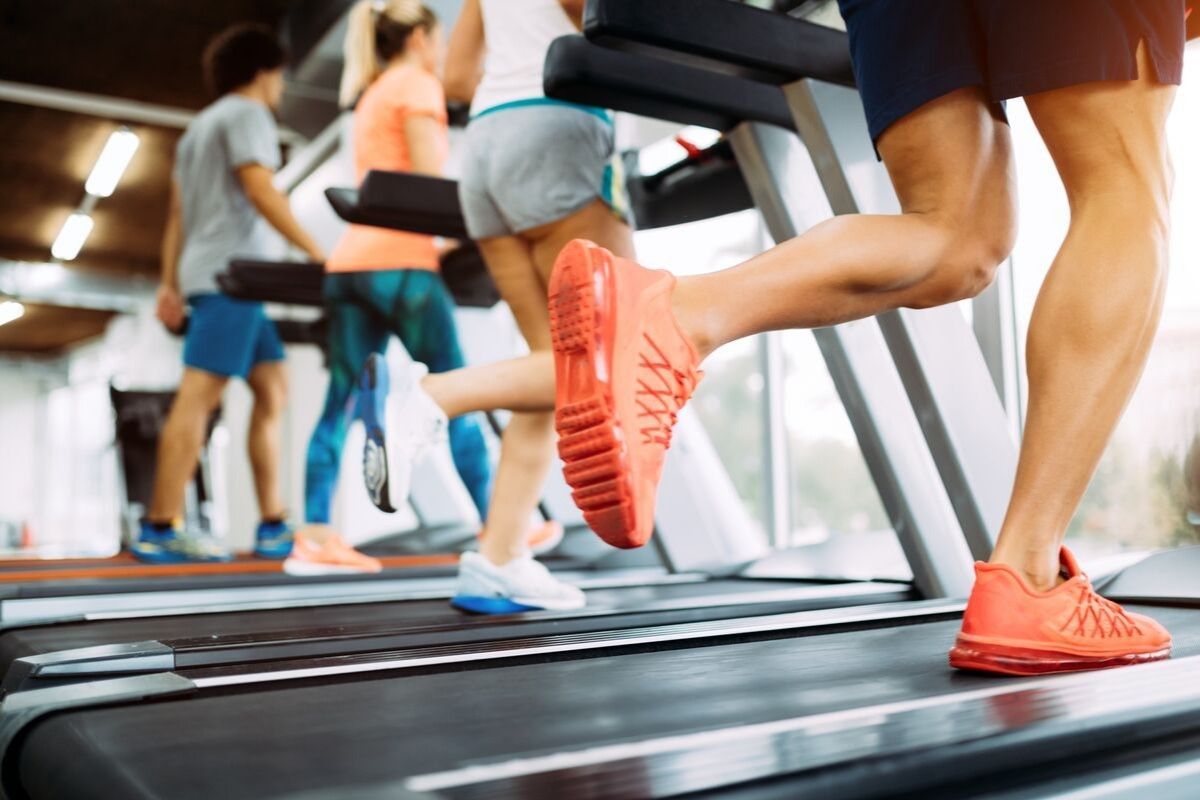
(376, 729)
(22, 642)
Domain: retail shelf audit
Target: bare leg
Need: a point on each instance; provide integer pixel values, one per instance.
(1097, 312)
(269, 383)
(518, 384)
(521, 268)
(951, 164)
(181, 440)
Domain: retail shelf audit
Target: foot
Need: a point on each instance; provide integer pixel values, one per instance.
(520, 585)
(624, 369)
(416, 423)
(331, 557)
(170, 544)
(1013, 629)
(273, 539)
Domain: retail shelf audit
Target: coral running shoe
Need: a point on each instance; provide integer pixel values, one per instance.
(1014, 630)
(624, 369)
(332, 557)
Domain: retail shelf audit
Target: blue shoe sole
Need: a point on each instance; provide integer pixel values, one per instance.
(273, 554)
(373, 386)
(473, 604)
(175, 558)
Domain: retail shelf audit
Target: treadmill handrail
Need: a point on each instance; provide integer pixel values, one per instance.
(402, 201)
(580, 71)
(734, 38)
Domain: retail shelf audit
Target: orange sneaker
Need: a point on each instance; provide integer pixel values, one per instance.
(332, 557)
(1012, 629)
(624, 369)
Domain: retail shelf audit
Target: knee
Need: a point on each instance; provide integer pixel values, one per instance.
(969, 259)
(270, 400)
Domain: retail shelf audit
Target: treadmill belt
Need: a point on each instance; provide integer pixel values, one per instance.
(329, 736)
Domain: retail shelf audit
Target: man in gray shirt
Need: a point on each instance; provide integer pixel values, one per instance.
(224, 205)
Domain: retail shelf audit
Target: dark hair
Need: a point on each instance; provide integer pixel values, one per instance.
(237, 54)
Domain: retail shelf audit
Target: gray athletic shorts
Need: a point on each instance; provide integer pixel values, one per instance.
(533, 163)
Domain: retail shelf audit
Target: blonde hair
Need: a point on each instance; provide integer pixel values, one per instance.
(378, 31)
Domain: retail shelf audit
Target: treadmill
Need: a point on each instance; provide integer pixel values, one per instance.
(827, 703)
(41, 655)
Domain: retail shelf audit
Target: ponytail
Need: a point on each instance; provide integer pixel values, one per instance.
(378, 30)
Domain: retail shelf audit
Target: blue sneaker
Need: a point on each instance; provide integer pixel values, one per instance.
(418, 426)
(520, 585)
(156, 545)
(273, 540)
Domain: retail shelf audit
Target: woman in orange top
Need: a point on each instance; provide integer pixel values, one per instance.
(381, 282)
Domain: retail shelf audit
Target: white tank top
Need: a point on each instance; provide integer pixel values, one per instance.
(518, 33)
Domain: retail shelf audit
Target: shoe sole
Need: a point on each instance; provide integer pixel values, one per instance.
(591, 443)
(373, 382)
(307, 569)
(475, 604)
(987, 657)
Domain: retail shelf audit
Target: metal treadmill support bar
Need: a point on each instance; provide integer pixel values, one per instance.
(888, 432)
(1092, 711)
(935, 351)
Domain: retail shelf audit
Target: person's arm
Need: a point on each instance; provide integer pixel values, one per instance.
(257, 183)
(464, 60)
(170, 309)
(574, 9)
(422, 134)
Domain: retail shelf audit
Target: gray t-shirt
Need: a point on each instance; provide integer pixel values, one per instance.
(219, 222)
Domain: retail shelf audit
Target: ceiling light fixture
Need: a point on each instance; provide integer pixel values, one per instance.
(10, 310)
(70, 239)
(110, 166)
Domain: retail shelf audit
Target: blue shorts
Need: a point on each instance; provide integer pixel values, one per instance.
(229, 337)
(909, 52)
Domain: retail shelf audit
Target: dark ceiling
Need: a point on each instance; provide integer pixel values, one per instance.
(144, 50)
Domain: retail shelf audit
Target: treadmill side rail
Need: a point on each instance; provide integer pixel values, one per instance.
(125, 658)
(20, 710)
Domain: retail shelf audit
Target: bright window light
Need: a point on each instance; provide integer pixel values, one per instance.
(72, 236)
(110, 166)
(10, 310)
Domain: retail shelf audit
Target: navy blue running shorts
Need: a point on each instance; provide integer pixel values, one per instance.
(909, 52)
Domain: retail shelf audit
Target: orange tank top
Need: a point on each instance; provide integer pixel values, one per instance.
(380, 143)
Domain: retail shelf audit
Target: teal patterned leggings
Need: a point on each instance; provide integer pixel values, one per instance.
(364, 309)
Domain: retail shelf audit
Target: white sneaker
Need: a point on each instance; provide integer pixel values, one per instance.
(403, 424)
(522, 584)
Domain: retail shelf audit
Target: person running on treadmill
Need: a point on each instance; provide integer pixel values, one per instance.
(382, 282)
(537, 173)
(1098, 77)
(223, 205)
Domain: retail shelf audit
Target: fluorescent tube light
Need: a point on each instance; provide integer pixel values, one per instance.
(110, 166)
(10, 310)
(72, 236)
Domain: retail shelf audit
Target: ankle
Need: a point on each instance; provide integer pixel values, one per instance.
(693, 318)
(1040, 572)
(435, 386)
(499, 554)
